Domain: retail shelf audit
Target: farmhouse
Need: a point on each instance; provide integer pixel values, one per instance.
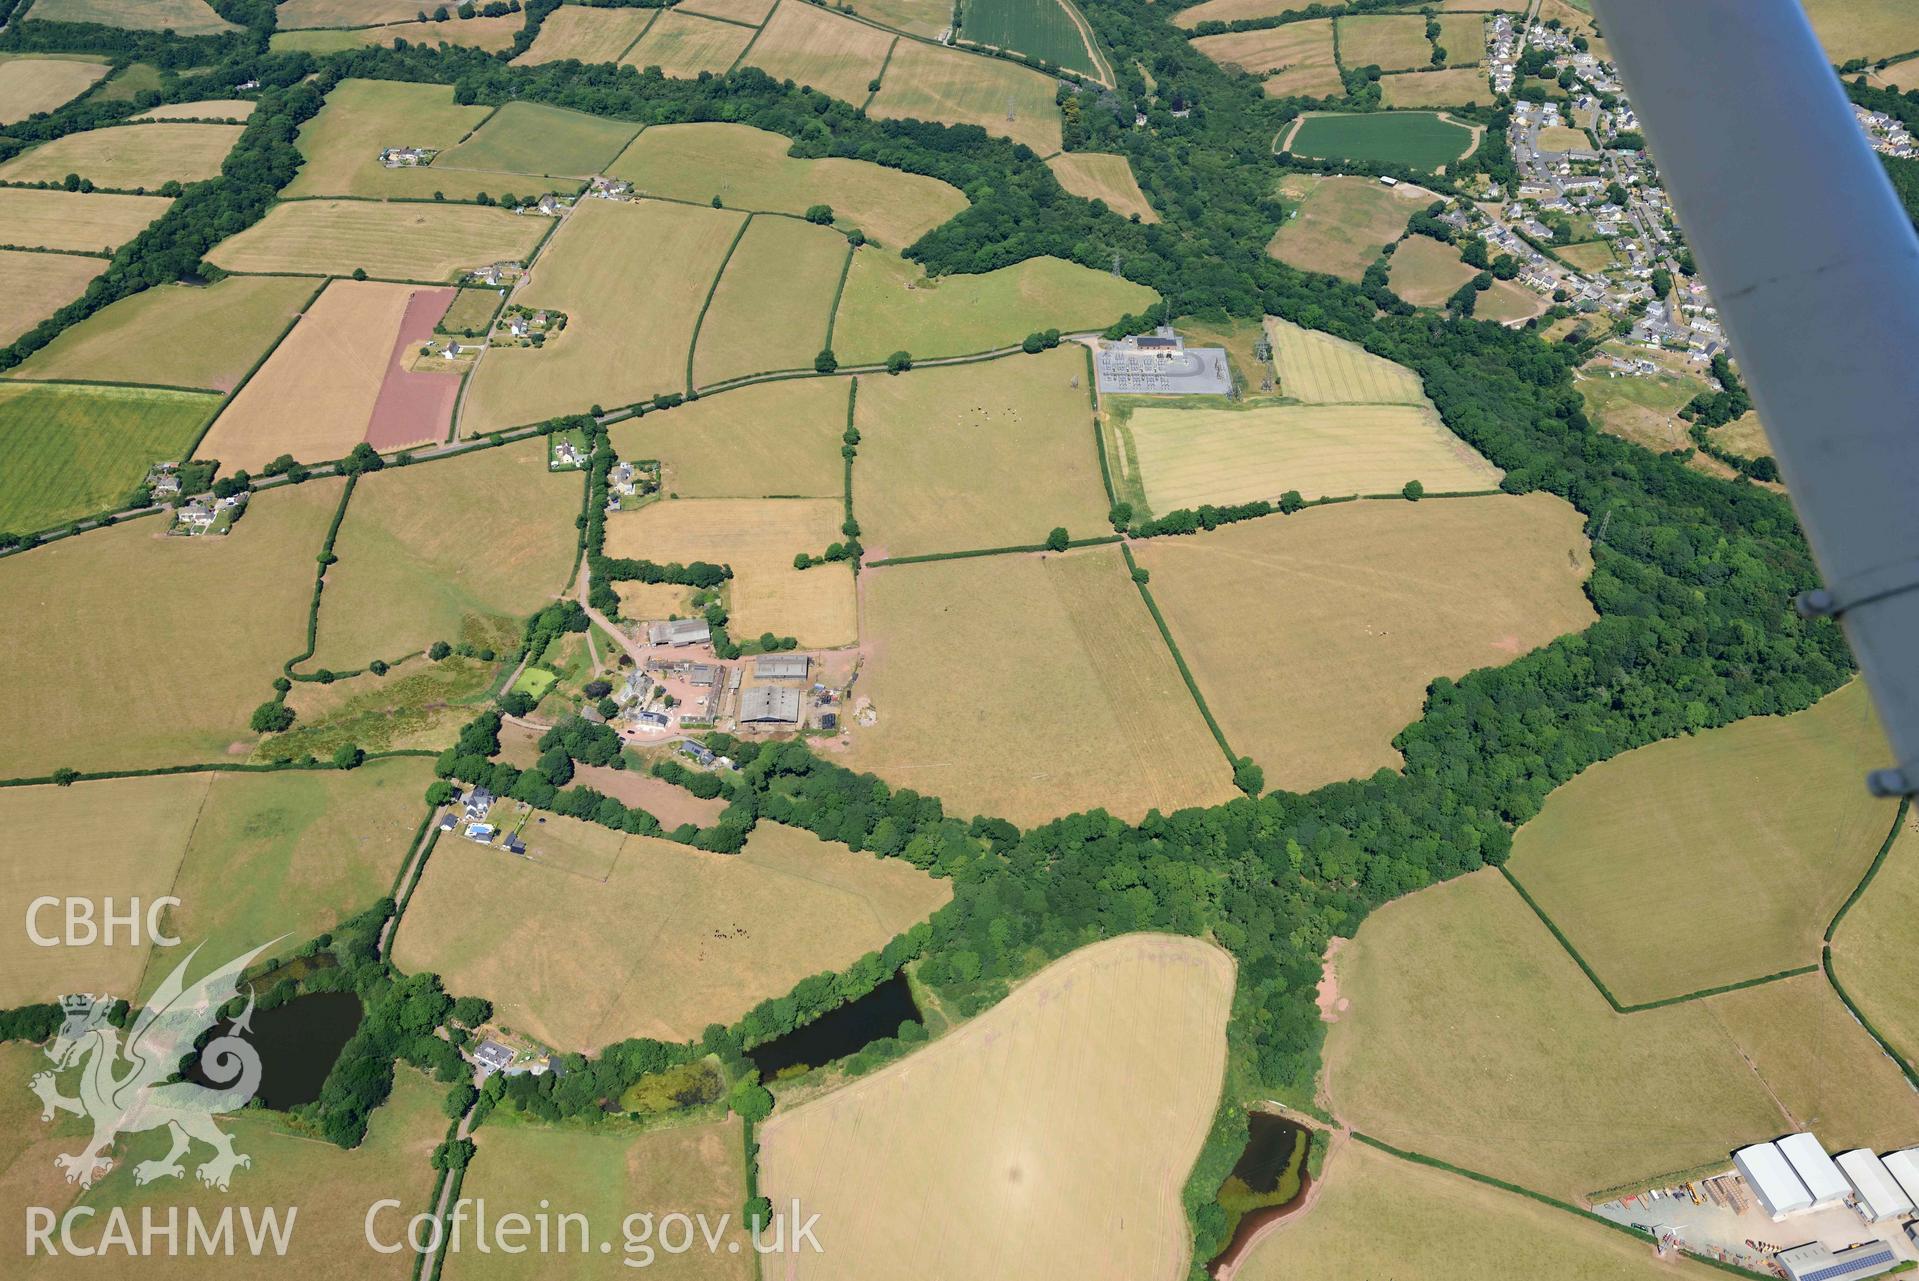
(406, 157)
(1160, 364)
(492, 1057)
(770, 705)
(680, 631)
(781, 667)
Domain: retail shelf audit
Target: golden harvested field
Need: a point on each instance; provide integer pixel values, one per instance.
(757, 441)
(129, 155)
(889, 306)
(590, 35)
(174, 335)
(1634, 857)
(1391, 43)
(1472, 1036)
(234, 109)
(342, 144)
(314, 395)
(29, 85)
(390, 241)
(1463, 37)
(924, 82)
(814, 46)
(758, 537)
(1379, 1216)
(773, 302)
(630, 277)
(1298, 57)
(408, 572)
(1903, 76)
(1342, 224)
(932, 1168)
(37, 285)
(1071, 699)
(491, 34)
(333, 1189)
(84, 222)
(1231, 11)
(192, 659)
(1744, 435)
(1872, 952)
(960, 457)
(748, 168)
(1425, 272)
(916, 17)
(683, 46)
(1186, 457)
(606, 1173)
(294, 14)
(1097, 176)
(1319, 369)
(1354, 609)
(1458, 87)
(750, 12)
(185, 17)
(1863, 28)
(673, 940)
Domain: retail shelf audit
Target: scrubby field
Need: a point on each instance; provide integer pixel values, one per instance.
(129, 155)
(1872, 952)
(1071, 698)
(1426, 273)
(1379, 1216)
(630, 278)
(765, 439)
(1097, 176)
(967, 456)
(773, 303)
(408, 572)
(390, 241)
(1047, 30)
(315, 394)
(1635, 858)
(1185, 457)
(1863, 28)
(490, 34)
(814, 46)
(1342, 224)
(933, 1167)
(190, 631)
(68, 451)
(1458, 87)
(1319, 369)
(1358, 607)
(758, 538)
(28, 85)
(37, 285)
(683, 46)
(748, 168)
(1471, 1036)
(472, 311)
(175, 335)
(418, 704)
(1744, 435)
(1390, 43)
(1296, 59)
(1416, 139)
(925, 82)
(607, 1173)
(1642, 409)
(531, 138)
(85, 222)
(342, 144)
(185, 17)
(889, 306)
(673, 940)
(588, 34)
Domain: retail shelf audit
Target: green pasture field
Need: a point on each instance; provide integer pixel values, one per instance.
(1045, 30)
(927, 82)
(133, 80)
(889, 306)
(530, 138)
(756, 441)
(191, 631)
(773, 303)
(418, 704)
(128, 156)
(37, 285)
(68, 451)
(1592, 256)
(915, 17)
(1422, 140)
(176, 335)
(534, 682)
(409, 573)
(185, 17)
(472, 311)
(1872, 951)
(748, 168)
(1696, 862)
(389, 241)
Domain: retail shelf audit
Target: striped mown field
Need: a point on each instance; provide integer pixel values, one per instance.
(1319, 369)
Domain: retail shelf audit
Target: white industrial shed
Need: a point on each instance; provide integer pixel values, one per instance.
(1815, 1169)
(1770, 1176)
(1880, 1196)
(1904, 1166)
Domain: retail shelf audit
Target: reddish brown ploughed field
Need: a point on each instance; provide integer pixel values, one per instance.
(414, 408)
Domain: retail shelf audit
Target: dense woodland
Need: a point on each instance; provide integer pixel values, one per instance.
(1692, 578)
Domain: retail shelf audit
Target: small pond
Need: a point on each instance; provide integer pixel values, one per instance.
(840, 1032)
(1268, 1182)
(298, 1043)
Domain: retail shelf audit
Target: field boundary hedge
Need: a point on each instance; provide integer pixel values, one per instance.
(1179, 659)
(699, 321)
(205, 767)
(839, 292)
(1872, 870)
(1905, 1065)
(1102, 541)
(325, 558)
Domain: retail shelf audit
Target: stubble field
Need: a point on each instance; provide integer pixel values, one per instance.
(84, 222)
(37, 285)
(28, 85)
(815, 46)
(1102, 177)
(588, 34)
(491, 34)
(1457, 87)
(129, 155)
(682, 45)
(185, 17)
(1319, 369)
(388, 241)
(757, 441)
(1295, 60)
(925, 82)
(1390, 42)
(774, 301)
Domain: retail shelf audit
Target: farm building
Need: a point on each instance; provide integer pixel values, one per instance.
(1814, 1262)
(1880, 1196)
(782, 667)
(703, 674)
(1770, 1176)
(492, 1056)
(681, 631)
(1815, 1169)
(1904, 1168)
(1161, 364)
(770, 705)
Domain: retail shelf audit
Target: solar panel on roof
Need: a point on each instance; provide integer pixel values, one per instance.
(1849, 1266)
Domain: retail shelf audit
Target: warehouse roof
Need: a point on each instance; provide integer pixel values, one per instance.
(765, 704)
(1771, 1177)
(1815, 1169)
(681, 631)
(781, 666)
(1879, 1193)
(1904, 1166)
(1814, 1262)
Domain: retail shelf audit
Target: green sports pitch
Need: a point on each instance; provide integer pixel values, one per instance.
(1423, 140)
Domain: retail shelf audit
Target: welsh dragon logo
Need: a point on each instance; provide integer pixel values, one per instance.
(126, 1090)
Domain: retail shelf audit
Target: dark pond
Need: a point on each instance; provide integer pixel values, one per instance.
(298, 1043)
(840, 1032)
(1268, 1182)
